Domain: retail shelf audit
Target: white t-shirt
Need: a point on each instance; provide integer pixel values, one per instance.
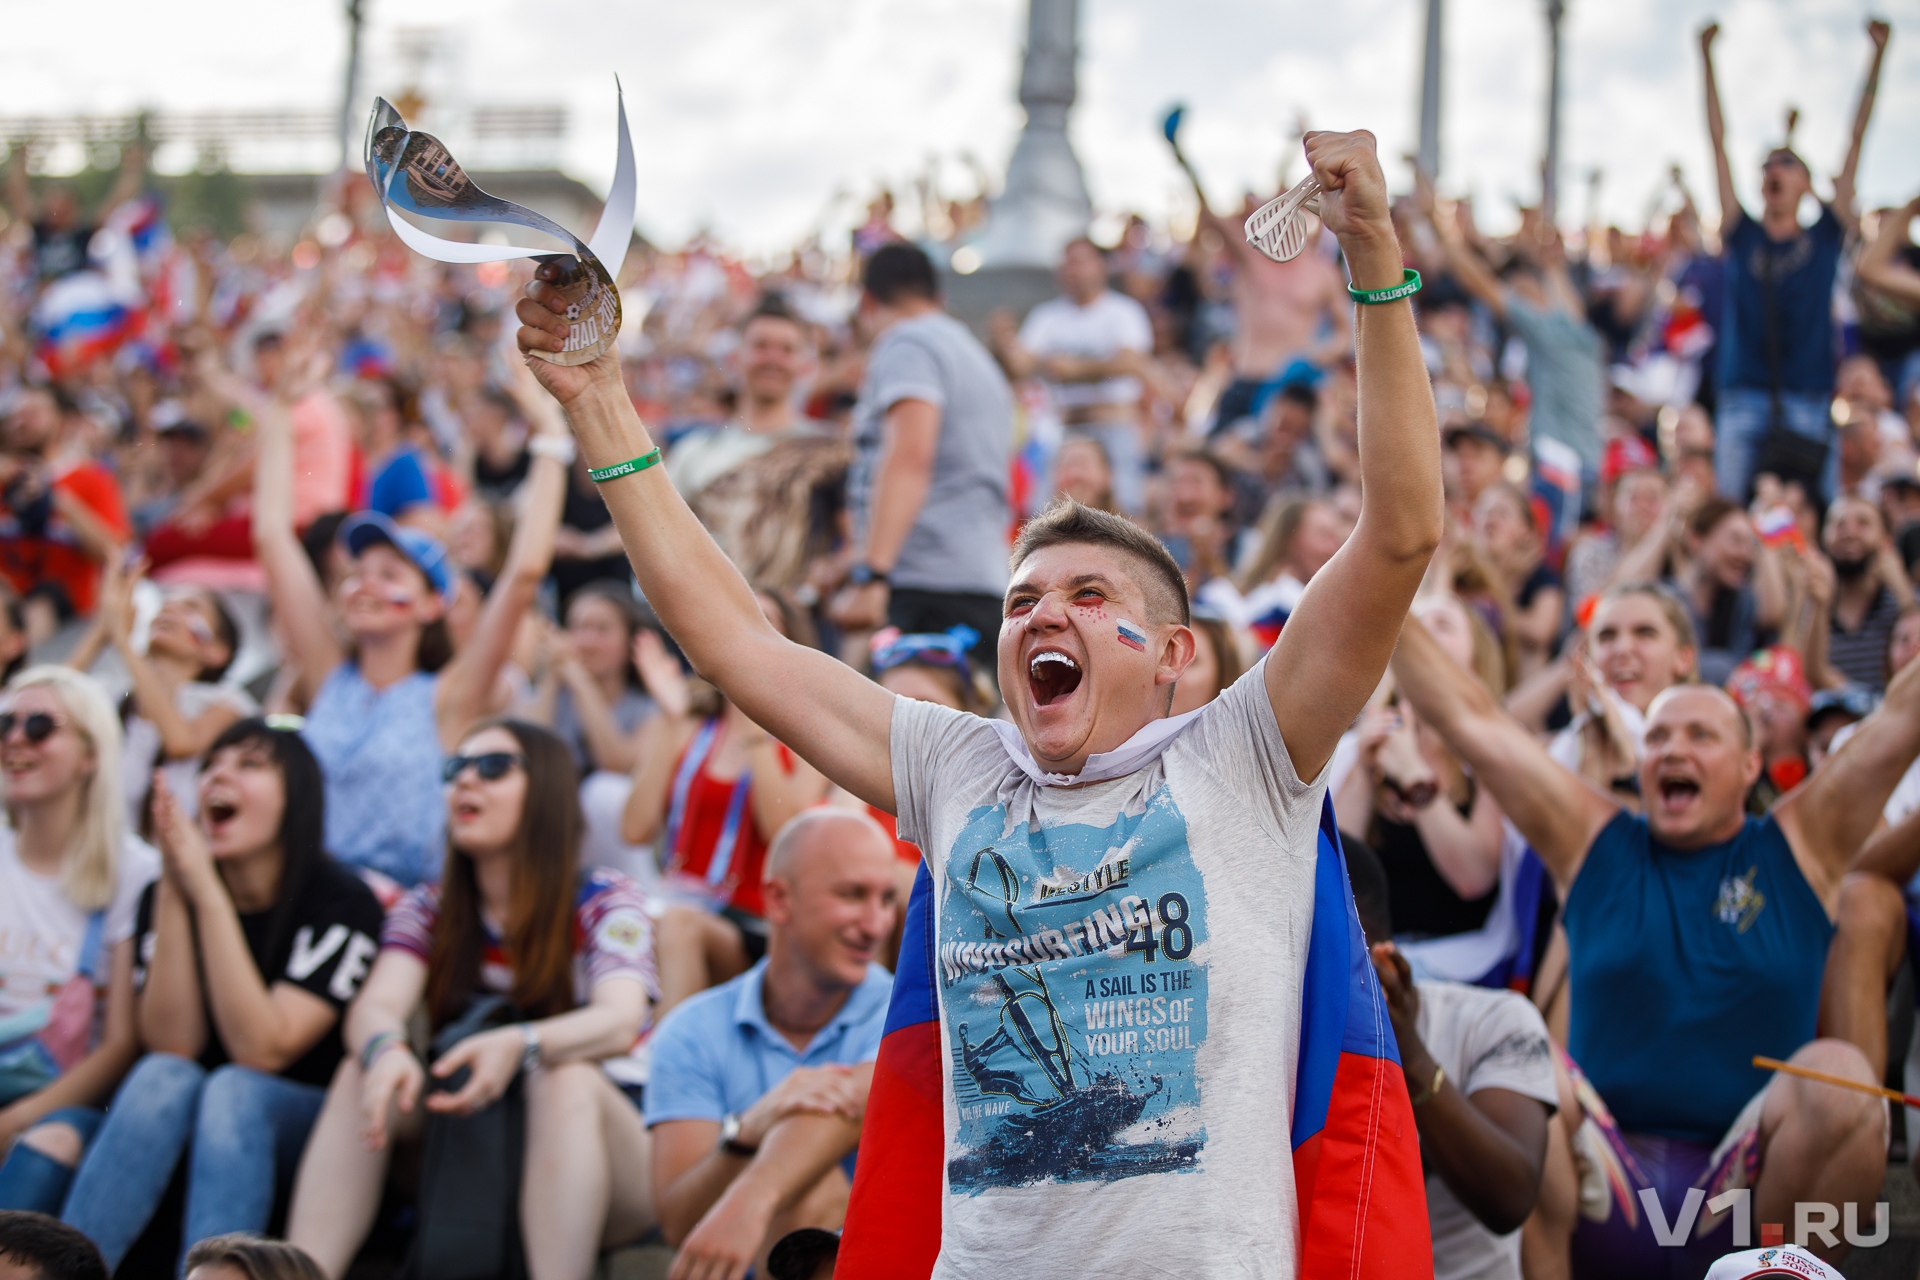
(1482, 1039)
(1102, 329)
(41, 930)
(1119, 972)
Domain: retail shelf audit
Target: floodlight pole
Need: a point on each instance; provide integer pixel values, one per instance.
(356, 17)
(1429, 156)
(1550, 166)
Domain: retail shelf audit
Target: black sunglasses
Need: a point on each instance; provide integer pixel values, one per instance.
(38, 726)
(491, 766)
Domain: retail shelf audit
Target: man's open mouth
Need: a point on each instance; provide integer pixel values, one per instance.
(1678, 790)
(1051, 676)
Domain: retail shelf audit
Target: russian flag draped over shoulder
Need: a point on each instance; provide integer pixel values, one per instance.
(1356, 1154)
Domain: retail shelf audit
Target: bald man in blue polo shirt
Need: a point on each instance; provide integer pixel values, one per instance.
(758, 1086)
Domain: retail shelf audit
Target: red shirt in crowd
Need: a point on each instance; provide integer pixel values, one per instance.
(702, 819)
(55, 554)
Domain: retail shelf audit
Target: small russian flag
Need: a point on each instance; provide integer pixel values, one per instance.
(1132, 637)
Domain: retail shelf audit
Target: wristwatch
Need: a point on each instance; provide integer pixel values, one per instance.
(529, 1047)
(730, 1137)
(861, 574)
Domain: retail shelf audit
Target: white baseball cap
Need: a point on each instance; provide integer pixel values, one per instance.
(1778, 1260)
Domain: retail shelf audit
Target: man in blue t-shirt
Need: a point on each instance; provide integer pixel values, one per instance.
(757, 1087)
(1697, 939)
(1777, 349)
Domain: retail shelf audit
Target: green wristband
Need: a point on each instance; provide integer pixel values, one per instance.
(626, 468)
(1408, 286)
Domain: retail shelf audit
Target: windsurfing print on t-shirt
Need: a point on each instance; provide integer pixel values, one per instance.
(1073, 984)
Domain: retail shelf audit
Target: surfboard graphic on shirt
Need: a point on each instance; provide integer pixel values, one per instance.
(1072, 979)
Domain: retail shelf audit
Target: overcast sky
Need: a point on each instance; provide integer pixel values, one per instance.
(749, 115)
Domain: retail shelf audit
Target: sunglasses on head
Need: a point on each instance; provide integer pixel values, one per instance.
(491, 765)
(38, 726)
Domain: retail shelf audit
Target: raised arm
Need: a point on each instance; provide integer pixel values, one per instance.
(1843, 203)
(1554, 809)
(1338, 640)
(1881, 267)
(1730, 210)
(836, 718)
(1463, 260)
(293, 588)
(468, 681)
(1828, 817)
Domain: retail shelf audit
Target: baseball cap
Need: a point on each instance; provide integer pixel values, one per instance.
(361, 531)
(1624, 454)
(798, 1254)
(1777, 671)
(1780, 1260)
(1477, 430)
(1852, 701)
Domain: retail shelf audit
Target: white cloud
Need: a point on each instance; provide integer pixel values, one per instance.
(755, 116)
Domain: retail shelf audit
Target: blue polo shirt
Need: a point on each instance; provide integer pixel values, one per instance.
(717, 1054)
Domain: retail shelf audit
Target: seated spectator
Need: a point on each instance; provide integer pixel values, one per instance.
(179, 704)
(1732, 586)
(1218, 661)
(714, 788)
(1634, 495)
(37, 1247)
(591, 694)
(245, 1257)
(1198, 525)
(1435, 827)
(1479, 1069)
(1473, 461)
(1771, 689)
(1509, 534)
(400, 479)
(182, 449)
(1831, 711)
(1297, 538)
(61, 516)
(759, 1086)
(1870, 593)
(1081, 472)
(1697, 939)
(70, 880)
(237, 1061)
(498, 440)
(512, 917)
(391, 695)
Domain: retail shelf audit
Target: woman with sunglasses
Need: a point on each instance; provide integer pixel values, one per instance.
(714, 788)
(250, 946)
(571, 952)
(392, 695)
(70, 880)
(179, 705)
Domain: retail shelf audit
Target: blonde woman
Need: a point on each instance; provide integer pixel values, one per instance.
(70, 879)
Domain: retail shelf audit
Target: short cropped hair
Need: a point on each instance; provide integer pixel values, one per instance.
(899, 271)
(773, 306)
(254, 1258)
(49, 1246)
(1066, 521)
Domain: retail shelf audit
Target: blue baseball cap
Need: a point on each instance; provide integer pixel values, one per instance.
(424, 551)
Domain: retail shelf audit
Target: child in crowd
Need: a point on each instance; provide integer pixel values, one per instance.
(70, 880)
(715, 788)
(571, 953)
(249, 946)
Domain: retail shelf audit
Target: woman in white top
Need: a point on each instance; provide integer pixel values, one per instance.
(70, 878)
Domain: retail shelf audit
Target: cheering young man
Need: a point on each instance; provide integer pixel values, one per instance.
(1122, 903)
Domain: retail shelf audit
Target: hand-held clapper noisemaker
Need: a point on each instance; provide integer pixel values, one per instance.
(415, 172)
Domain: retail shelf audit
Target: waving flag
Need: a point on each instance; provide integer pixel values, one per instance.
(79, 317)
(1356, 1155)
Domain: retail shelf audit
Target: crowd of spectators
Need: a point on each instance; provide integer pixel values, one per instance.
(355, 798)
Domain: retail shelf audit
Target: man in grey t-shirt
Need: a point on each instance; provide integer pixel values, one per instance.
(932, 436)
(1124, 898)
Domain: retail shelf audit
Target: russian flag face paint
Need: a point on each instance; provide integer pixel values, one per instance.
(1132, 636)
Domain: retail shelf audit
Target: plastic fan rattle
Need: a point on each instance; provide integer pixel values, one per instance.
(1278, 228)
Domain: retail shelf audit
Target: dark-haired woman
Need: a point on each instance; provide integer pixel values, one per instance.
(249, 947)
(179, 705)
(389, 698)
(571, 952)
(591, 694)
